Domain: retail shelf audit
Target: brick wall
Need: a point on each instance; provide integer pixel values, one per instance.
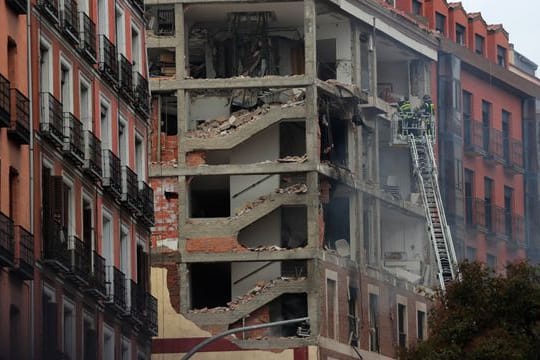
(166, 207)
(214, 244)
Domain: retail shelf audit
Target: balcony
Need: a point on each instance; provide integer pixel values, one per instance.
(126, 78)
(475, 213)
(73, 139)
(5, 108)
(495, 146)
(130, 191)
(49, 9)
(19, 130)
(24, 253)
(141, 95)
(88, 38)
(514, 228)
(70, 22)
(108, 61)
(138, 302)
(55, 246)
(151, 315)
(146, 200)
(18, 6)
(139, 5)
(52, 119)
(7, 241)
(112, 180)
(116, 293)
(92, 156)
(96, 280)
(494, 219)
(472, 137)
(513, 156)
(79, 253)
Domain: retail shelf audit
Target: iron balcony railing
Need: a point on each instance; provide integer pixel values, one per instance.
(73, 138)
(165, 22)
(126, 78)
(7, 241)
(97, 277)
(130, 191)
(138, 301)
(88, 38)
(52, 119)
(151, 315)
(112, 180)
(516, 232)
(141, 95)
(515, 159)
(472, 136)
(495, 151)
(494, 218)
(475, 212)
(55, 245)
(146, 196)
(108, 63)
(139, 5)
(18, 6)
(49, 8)
(5, 108)
(116, 288)
(79, 260)
(70, 21)
(20, 117)
(92, 155)
(25, 253)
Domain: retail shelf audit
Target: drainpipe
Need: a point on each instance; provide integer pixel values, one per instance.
(211, 339)
(31, 163)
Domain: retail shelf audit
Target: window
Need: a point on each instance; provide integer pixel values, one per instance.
(89, 337)
(417, 7)
(139, 157)
(108, 342)
(479, 44)
(373, 322)
(124, 251)
(45, 68)
(49, 322)
(136, 49)
(501, 56)
(421, 325)
(15, 334)
(103, 18)
(168, 113)
(467, 118)
(402, 325)
(13, 194)
(491, 261)
(440, 23)
(331, 308)
(12, 62)
(486, 124)
(459, 174)
(85, 102)
(460, 34)
(69, 329)
(488, 196)
(105, 122)
(123, 152)
(107, 242)
(126, 351)
(508, 208)
(143, 266)
(353, 321)
(506, 135)
(66, 92)
(469, 181)
(68, 216)
(120, 32)
(471, 253)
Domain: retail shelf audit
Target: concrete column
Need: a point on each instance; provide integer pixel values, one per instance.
(310, 38)
(314, 295)
(183, 208)
(313, 209)
(355, 65)
(185, 298)
(181, 41)
(182, 118)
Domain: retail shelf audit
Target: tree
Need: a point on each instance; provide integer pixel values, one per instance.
(484, 316)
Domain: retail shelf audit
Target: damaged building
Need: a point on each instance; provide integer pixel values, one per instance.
(282, 186)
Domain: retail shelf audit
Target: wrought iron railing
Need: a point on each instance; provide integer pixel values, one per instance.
(73, 138)
(138, 301)
(165, 22)
(88, 38)
(472, 136)
(117, 287)
(141, 95)
(151, 315)
(70, 21)
(5, 108)
(126, 78)
(92, 155)
(496, 145)
(97, 279)
(517, 235)
(7, 240)
(112, 179)
(80, 257)
(146, 196)
(516, 155)
(25, 256)
(52, 119)
(108, 63)
(19, 6)
(139, 4)
(55, 245)
(130, 191)
(20, 117)
(49, 8)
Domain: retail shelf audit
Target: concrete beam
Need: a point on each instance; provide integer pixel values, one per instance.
(170, 84)
(270, 167)
(342, 90)
(154, 41)
(284, 255)
(273, 343)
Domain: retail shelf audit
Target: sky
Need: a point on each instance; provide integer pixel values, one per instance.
(519, 18)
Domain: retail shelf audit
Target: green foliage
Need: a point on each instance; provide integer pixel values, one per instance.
(484, 316)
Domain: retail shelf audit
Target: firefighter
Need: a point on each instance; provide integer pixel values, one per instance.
(427, 113)
(405, 113)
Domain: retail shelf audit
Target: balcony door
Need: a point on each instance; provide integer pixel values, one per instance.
(488, 200)
(506, 135)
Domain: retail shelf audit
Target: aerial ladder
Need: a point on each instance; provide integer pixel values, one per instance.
(425, 170)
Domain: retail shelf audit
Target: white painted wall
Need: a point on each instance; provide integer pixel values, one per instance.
(207, 108)
(395, 73)
(341, 31)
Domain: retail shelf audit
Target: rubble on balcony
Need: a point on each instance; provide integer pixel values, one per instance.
(293, 159)
(261, 287)
(293, 189)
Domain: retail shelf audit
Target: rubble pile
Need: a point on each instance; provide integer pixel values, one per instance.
(250, 205)
(293, 189)
(260, 287)
(293, 159)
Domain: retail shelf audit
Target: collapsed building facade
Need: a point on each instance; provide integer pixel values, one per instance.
(281, 187)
